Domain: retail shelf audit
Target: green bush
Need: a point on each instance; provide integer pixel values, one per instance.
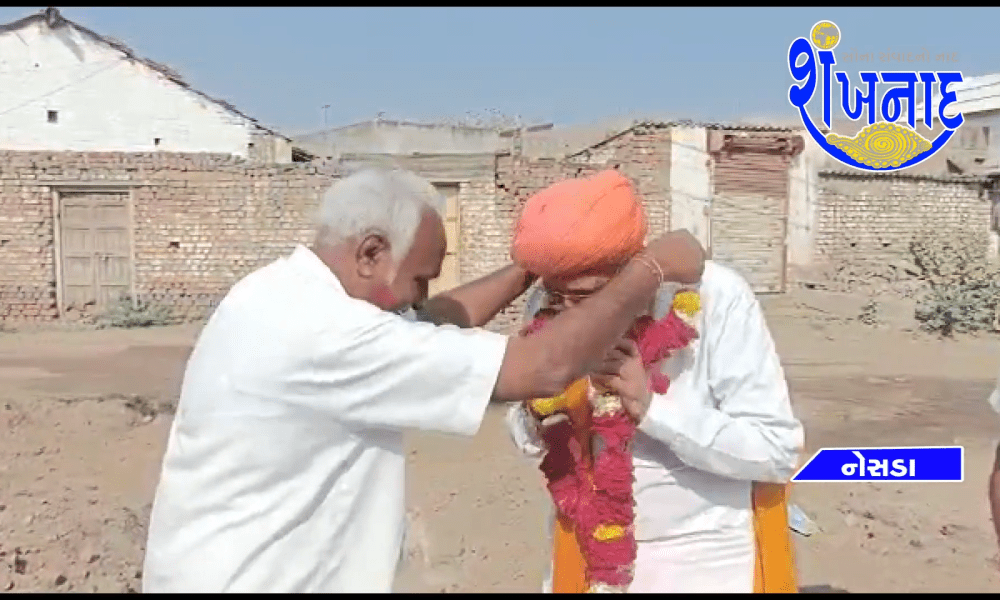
(963, 285)
(130, 313)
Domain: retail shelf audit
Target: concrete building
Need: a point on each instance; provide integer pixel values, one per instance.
(407, 138)
(78, 229)
(64, 87)
(400, 138)
(978, 99)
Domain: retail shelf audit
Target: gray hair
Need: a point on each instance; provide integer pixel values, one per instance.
(391, 201)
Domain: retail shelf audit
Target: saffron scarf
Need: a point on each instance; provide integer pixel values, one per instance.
(774, 566)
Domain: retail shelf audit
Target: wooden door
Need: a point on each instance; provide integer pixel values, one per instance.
(748, 235)
(95, 250)
(451, 268)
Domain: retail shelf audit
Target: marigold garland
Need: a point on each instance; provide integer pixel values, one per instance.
(595, 492)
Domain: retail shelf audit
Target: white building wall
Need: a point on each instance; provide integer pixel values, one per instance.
(104, 101)
(690, 183)
(802, 200)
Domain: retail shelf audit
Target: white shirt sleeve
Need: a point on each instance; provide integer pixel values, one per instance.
(752, 435)
(375, 369)
(521, 425)
(995, 397)
(523, 429)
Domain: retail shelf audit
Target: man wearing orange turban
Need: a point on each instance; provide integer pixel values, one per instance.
(712, 455)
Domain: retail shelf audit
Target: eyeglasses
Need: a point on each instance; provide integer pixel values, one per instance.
(559, 298)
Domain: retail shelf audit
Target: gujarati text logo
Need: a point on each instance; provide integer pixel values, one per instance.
(913, 463)
(883, 144)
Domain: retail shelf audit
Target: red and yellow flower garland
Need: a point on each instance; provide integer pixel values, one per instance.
(593, 494)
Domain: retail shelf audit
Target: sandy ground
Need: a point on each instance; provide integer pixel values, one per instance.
(84, 418)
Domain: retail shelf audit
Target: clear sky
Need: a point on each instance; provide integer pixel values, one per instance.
(566, 65)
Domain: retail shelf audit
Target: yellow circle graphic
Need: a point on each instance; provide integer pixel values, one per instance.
(825, 35)
(882, 145)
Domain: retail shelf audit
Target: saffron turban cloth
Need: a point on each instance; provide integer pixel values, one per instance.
(579, 225)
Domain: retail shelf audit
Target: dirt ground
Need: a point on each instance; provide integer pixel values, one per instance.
(84, 418)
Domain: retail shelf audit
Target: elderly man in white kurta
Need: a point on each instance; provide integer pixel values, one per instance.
(994, 480)
(725, 421)
(284, 471)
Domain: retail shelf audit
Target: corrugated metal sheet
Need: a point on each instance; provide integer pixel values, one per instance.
(717, 127)
(905, 175)
(749, 217)
(720, 125)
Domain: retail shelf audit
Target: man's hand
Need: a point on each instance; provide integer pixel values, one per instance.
(624, 374)
(679, 255)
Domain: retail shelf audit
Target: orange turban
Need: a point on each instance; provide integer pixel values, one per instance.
(580, 224)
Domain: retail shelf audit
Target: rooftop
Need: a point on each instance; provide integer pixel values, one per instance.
(54, 20)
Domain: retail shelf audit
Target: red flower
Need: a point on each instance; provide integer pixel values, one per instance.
(557, 465)
(600, 492)
(657, 339)
(616, 430)
(613, 474)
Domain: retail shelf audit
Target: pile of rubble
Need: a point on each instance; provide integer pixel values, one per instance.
(955, 285)
(874, 277)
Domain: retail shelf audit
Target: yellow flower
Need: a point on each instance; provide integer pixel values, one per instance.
(607, 533)
(547, 406)
(572, 400)
(687, 303)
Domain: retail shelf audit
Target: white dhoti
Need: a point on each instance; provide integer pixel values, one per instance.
(719, 561)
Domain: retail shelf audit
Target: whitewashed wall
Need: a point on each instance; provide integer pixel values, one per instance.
(802, 206)
(104, 101)
(690, 182)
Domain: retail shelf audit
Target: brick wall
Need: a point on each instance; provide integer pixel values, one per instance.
(517, 178)
(874, 218)
(201, 222)
(642, 154)
(485, 222)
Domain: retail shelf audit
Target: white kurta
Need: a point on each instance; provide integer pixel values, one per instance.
(725, 421)
(284, 471)
(994, 398)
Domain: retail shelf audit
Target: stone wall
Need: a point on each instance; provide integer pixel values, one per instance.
(201, 222)
(866, 218)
